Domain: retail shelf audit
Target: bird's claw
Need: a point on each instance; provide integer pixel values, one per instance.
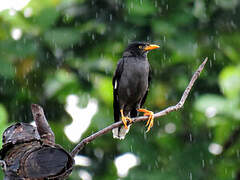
(125, 119)
(150, 115)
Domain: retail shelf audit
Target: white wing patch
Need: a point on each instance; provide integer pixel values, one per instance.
(115, 84)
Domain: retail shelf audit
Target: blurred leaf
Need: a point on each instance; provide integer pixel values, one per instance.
(15, 49)
(229, 81)
(200, 10)
(104, 90)
(62, 37)
(3, 120)
(163, 28)
(94, 26)
(212, 105)
(57, 82)
(227, 4)
(7, 69)
(46, 18)
(141, 7)
(37, 7)
(227, 128)
(24, 67)
(230, 44)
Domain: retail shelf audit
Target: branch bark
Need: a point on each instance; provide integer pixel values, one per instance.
(164, 112)
(43, 127)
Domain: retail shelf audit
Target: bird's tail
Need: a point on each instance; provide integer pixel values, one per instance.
(120, 132)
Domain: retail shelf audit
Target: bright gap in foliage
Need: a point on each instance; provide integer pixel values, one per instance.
(13, 4)
(215, 148)
(81, 117)
(84, 175)
(82, 160)
(125, 162)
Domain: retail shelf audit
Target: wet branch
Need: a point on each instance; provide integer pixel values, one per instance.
(43, 127)
(164, 112)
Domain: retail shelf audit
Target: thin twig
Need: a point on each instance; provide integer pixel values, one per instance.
(164, 112)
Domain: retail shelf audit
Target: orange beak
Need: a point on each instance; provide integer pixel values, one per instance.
(151, 47)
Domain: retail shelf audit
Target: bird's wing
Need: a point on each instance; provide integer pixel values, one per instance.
(149, 82)
(115, 83)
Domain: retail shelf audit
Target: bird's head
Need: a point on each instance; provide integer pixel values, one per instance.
(139, 48)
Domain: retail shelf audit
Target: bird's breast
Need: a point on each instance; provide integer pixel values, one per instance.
(134, 79)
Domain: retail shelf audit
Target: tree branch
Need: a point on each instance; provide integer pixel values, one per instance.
(164, 112)
(43, 127)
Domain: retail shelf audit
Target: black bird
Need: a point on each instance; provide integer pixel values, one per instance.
(130, 86)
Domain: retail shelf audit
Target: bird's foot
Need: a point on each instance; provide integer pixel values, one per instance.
(125, 119)
(150, 118)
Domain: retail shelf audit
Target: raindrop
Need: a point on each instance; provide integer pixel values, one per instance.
(141, 2)
(190, 176)
(203, 163)
(237, 153)
(210, 64)
(156, 4)
(149, 168)
(110, 17)
(190, 137)
(96, 15)
(131, 148)
(233, 24)
(214, 56)
(156, 164)
(93, 37)
(37, 64)
(210, 135)
(145, 136)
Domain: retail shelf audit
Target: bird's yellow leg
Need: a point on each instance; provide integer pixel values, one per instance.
(125, 119)
(150, 118)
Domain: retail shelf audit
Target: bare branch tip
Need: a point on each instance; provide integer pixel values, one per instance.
(36, 108)
(205, 60)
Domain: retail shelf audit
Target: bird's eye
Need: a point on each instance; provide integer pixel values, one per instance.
(140, 47)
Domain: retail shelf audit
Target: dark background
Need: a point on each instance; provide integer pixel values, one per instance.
(71, 47)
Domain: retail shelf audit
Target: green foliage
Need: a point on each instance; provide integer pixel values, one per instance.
(72, 46)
